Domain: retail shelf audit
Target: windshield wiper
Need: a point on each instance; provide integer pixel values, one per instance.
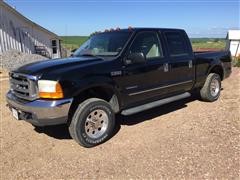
(87, 55)
(90, 55)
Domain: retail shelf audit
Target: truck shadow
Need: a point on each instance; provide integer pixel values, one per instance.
(61, 131)
(153, 113)
(57, 131)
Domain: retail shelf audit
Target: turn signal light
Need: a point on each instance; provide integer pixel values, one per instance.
(50, 89)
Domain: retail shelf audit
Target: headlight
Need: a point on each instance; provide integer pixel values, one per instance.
(49, 89)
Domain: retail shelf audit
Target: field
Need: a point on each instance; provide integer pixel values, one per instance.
(208, 43)
(73, 42)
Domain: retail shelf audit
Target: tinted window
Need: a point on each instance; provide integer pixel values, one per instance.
(148, 44)
(176, 44)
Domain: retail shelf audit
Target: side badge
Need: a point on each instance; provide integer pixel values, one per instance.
(116, 73)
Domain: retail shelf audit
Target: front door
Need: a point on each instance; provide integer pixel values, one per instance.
(140, 82)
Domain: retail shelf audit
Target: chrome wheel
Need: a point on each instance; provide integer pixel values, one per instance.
(96, 123)
(214, 87)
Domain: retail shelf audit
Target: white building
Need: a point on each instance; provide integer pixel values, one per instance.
(233, 42)
(19, 33)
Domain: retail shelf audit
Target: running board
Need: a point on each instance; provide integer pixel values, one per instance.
(154, 104)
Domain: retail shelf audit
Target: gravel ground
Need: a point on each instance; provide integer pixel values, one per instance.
(13, 59)
(188, 139)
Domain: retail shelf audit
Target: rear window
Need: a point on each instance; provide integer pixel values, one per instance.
(176, 44)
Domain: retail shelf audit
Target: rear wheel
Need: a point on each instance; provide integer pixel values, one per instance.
(212, 87)
(93, 122)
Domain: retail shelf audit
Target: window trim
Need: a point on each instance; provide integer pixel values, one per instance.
(159, 43)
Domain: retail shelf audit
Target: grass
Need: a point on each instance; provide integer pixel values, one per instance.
(73, 42)
(236, 61)
(208, 43)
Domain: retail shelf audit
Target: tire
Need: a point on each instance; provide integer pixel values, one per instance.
(93, 122)
(212, 87)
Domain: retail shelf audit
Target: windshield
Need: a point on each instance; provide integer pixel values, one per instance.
(103, 44)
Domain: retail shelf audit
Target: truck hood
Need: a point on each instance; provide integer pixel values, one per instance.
(41, 67)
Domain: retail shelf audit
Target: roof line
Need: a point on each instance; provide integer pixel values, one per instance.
(25, 18)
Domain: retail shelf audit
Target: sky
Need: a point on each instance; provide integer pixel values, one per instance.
(200, 18)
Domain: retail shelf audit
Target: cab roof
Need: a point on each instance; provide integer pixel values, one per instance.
(137, 29)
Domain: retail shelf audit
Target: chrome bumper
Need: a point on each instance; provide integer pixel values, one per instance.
(40, 112)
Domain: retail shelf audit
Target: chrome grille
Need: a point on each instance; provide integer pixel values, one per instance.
(23, 86)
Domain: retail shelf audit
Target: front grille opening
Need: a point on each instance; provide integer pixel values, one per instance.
(22, 86)
(20, 79)
(22, 93)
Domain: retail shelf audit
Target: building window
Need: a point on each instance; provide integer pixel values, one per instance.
(54, 42)
(54, 46)
(54, 50)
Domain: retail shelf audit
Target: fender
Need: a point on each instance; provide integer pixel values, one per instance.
(204, 68)
(82, 85)
(216, 63)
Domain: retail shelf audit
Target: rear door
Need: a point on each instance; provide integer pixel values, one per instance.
(181, 61)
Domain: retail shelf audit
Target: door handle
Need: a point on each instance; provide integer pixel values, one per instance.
(165, 67)
(190, 64)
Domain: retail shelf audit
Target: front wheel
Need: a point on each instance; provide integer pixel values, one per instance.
(212, 87)
(93, 122)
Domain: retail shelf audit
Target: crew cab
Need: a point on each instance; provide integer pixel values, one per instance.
(122, 71)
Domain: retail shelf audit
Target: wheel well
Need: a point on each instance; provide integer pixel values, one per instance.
(100, 92)
(218, 70)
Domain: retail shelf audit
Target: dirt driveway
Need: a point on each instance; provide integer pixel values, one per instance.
(185, 139)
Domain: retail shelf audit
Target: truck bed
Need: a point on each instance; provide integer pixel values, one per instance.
(210, 54)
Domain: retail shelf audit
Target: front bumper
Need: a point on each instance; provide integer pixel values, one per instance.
(40, 112)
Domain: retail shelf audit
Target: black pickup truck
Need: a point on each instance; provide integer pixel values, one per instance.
(122, 71)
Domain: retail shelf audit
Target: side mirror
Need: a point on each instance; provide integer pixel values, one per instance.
(135, 58)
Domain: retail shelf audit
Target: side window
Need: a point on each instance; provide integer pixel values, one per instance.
(176, 44)
(148, 44)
